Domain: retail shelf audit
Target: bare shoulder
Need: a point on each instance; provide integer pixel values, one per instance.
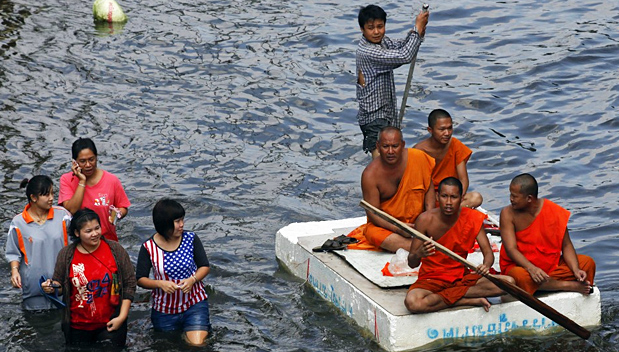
(507, 219)
(507, 212)
(423, 145)
(371, 170)
(426, 217)
(370, 175)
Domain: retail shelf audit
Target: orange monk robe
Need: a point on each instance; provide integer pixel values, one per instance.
(406, 204)
(444, 276)
(541, 243)
(456, 153)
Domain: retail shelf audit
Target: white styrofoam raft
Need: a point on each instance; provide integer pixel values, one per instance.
(392, 326)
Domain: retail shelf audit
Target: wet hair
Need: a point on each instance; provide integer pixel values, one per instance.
(164, 213)
(371, 12)
(81, 144)
(40, 185)
(527, 183)
(450, 181)
(80, 218)
(435, 115)
(390, 129)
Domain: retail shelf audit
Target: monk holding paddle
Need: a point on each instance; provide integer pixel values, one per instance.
(444, 282)
(537, 250)
(450, 155)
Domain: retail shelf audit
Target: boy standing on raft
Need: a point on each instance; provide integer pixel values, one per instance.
(377, 56)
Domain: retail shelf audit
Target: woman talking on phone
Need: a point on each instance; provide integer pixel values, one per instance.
(88, 186)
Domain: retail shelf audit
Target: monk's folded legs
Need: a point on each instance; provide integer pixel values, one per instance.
(432, 295)
(423, 301)
(395, 241)
(472, 200)
(561, 278)
(485, 288)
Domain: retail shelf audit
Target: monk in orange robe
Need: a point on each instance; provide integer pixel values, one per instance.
(399, 183)
(450, 155)
(537, 250)
(444, 282)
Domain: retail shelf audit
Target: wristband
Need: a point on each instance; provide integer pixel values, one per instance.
(81, 184)
(194, 277)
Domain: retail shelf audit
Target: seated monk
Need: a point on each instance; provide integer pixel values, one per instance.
(537, 250)
(399, 183)
(450, 155)
(444, 282)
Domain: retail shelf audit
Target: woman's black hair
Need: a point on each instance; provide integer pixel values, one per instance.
(81, 144)
(40, 185)
(164, 213)
(80, 218)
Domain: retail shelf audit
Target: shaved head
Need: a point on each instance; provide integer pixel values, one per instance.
(527, 183)
(389, 129)
(450, 181)
(437, 114)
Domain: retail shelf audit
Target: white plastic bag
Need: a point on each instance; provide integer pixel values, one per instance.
(398, 265)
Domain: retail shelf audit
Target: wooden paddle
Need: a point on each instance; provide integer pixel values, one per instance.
(410, 78)
(508, 287)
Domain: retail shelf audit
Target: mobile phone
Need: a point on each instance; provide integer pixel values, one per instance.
(113, 216)
(74, 163)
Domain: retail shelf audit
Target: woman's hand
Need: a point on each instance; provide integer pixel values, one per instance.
(187, 284)
(77, 171)
(115, 324)
(15, 278)
(49, 285)
(168, 286)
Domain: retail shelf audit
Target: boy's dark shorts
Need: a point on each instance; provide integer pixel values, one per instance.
(370, 133)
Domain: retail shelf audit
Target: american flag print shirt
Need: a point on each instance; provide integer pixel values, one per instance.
(175, 266)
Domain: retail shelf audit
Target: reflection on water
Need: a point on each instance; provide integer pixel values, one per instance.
(108, 28)
(244, 111)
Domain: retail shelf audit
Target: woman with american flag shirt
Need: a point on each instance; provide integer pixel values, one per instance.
(179, 264)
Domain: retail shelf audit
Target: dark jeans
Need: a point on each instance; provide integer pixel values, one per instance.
(84, 338)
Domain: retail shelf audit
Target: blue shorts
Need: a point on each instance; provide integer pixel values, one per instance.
(196, 318)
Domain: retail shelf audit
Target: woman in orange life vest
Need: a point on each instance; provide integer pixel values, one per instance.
(35, 237)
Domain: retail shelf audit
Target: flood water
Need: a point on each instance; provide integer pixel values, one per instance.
(244, 111)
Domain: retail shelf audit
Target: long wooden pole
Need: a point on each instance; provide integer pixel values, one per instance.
(408, 81)
(506, 286)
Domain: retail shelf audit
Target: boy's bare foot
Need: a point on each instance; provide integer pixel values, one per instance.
(480, 302)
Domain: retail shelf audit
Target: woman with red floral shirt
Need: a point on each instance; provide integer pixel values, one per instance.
(97, 281)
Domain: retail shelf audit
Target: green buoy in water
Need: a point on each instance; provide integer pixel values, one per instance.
(108, 11)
